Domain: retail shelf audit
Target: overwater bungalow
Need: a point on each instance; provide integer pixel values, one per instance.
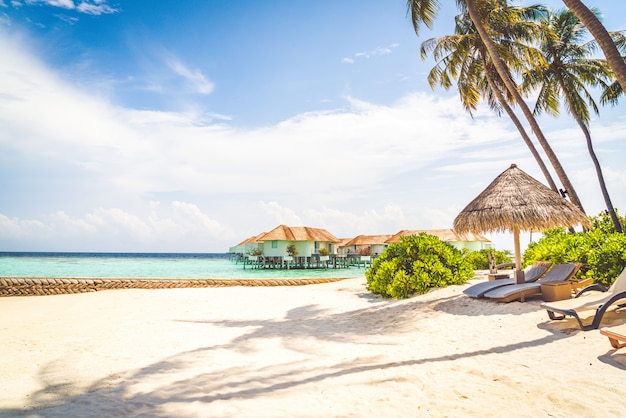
(314, 247)
(470, 241)
(307, 240)
(365, 244)
(248, 246)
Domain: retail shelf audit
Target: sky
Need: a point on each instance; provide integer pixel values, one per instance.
(189, 126)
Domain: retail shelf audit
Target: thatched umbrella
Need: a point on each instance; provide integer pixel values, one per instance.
(516, 202)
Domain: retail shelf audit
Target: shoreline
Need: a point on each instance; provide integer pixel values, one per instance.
(330, 349)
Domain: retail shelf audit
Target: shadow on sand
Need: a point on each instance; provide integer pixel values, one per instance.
(195, 375)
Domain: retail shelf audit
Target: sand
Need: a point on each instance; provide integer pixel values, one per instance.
(324, 350)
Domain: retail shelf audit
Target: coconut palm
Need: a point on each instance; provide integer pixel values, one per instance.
(612, 93)
(425, 11)
(567, 71)
(602, 36)
(463, 57)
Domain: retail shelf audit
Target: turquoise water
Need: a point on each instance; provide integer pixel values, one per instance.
(127, 265)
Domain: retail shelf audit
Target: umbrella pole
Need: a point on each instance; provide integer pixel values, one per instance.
(519, 273)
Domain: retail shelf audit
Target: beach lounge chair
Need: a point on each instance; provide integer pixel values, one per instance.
(493, 268)
(587, 300)
(531, 274)
(615, 334)
(558, 273)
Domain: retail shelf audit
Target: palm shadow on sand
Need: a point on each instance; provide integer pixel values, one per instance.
(197, 376)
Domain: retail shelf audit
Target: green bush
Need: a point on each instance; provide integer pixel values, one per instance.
(416, 264)
(480, 261)
(601, 250)
(291, 250)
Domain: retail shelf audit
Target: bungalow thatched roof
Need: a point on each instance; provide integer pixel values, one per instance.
(252, 239)
(446, 235)
(342, 242)
(516, 201)
(297, 233)
(367, 240)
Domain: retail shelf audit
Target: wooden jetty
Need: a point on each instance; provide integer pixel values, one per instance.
(314, 261)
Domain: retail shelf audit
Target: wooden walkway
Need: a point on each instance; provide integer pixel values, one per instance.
(309, 262)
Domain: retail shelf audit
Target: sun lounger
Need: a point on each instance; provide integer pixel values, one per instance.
(558, 273)
(587, 300)
(531, 274)
(617, 335)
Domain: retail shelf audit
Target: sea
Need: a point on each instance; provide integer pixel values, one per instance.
(149, 265)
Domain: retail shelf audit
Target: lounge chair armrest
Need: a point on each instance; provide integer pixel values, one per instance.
(505, 266)
(589, 288)
(577, 285)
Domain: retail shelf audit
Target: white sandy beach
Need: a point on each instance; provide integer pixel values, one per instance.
(325, 350)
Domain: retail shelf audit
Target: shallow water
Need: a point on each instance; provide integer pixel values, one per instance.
(153, 265)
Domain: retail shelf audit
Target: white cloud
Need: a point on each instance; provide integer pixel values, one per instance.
(177, 225)
(93, 7)
(378, 51)
(194, 77)
(18, 229)
(98, 7)
(190, 218)
(364, 168)
(281, 215)
(65, 4)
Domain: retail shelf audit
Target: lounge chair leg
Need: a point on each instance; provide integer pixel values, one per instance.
(555, 317)
(616, 344)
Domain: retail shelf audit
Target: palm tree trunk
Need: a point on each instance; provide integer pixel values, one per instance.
(502, 70)
(520, 128)
(599, 32)
(594, 158)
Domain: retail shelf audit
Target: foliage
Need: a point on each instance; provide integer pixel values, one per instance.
(603, 222)
(416, 264)
(323, 251)
(256, 252)
(364, 251)
(479, 260)
(292, 250)
(601, 250)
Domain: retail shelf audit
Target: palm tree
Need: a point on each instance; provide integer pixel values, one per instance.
(463, 57)
(567, 70)
(602, 36)
(612, 93)
(424, 11)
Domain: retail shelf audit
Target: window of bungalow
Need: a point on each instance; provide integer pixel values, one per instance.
(274, 244)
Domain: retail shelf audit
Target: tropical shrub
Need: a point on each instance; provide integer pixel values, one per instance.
(416, 264)
(601, 250)
(323, 251)
(603, 221)
(479, 260)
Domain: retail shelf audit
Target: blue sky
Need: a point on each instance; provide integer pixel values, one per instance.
(192, 125)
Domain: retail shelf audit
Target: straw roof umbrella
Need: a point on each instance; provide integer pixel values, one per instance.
(516, 202)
